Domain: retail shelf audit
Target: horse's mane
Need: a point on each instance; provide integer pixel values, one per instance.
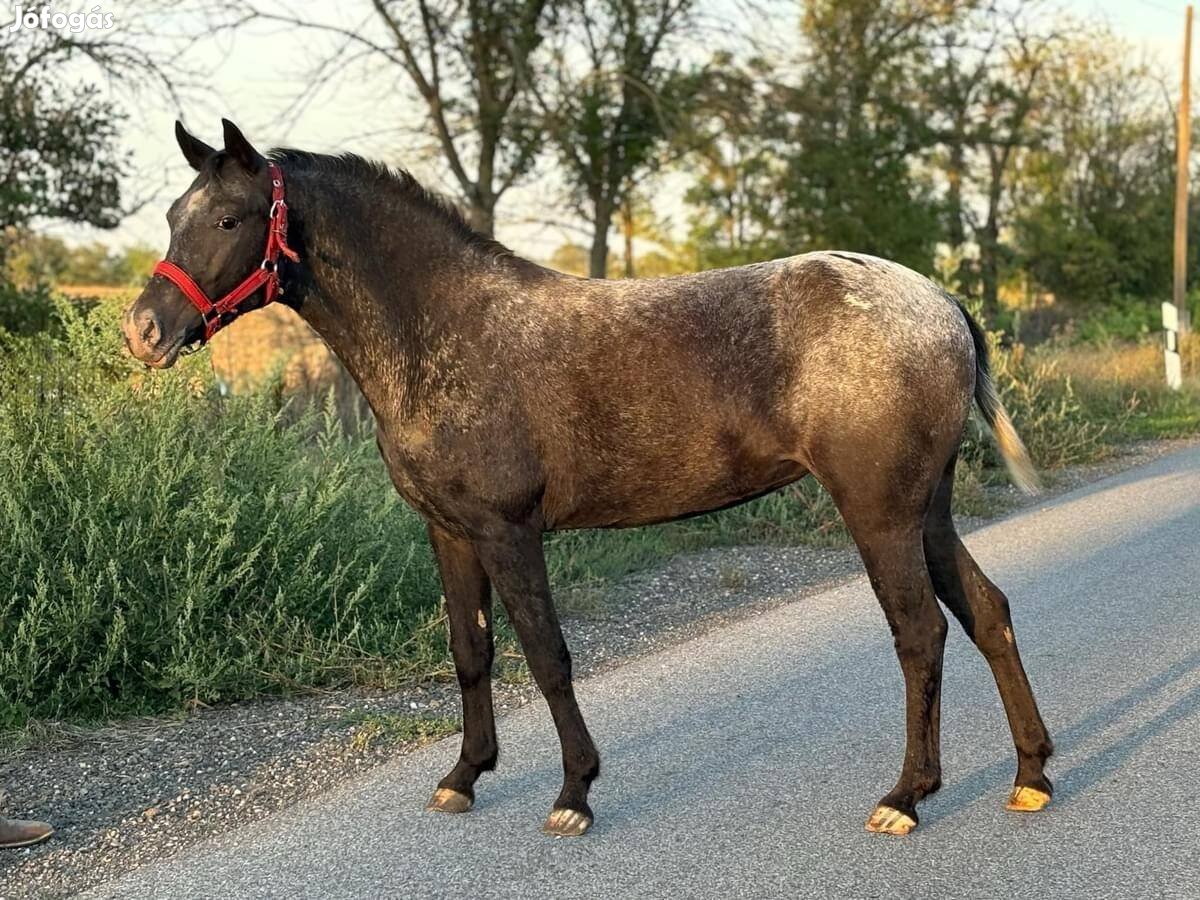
(383, 177)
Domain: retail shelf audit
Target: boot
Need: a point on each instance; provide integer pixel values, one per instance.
(19, 833)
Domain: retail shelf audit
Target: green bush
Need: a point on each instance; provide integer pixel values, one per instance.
(162, 544)
(25, 310)
(1121, 319)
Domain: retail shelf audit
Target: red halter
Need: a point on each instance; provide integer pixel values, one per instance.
(217, 315)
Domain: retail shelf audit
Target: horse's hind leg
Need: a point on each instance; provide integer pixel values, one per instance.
(885, 517)
(982, 609)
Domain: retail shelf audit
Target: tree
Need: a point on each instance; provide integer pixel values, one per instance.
(466, 61)
(964, 62)
(1093, 200)
(986, 93)
(62, 158)
(856, 126)
(610, 115)
(734, 157)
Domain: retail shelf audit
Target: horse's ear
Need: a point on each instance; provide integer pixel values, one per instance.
(195, 151)
(240, 149)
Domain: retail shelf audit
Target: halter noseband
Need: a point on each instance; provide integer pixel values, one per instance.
(217, 315)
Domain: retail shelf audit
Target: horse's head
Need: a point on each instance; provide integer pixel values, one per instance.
(218, 236)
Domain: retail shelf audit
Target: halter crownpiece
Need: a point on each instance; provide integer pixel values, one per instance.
(219, 314)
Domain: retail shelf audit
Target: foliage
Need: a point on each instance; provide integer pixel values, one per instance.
(609, 117)
(61, 154)
(1093, 200)
(734, 201)
(1129, 378)
(1123, 318)
(25, 310)
(1042, 401)
(855, 133)
(163, 544)
(1038, 150)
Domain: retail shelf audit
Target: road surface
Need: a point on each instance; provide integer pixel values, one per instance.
(743, 763)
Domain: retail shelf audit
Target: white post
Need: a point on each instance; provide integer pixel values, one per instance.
(1175, 313)
(1170, 316)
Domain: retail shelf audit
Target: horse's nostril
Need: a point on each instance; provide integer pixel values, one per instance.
(149, 328)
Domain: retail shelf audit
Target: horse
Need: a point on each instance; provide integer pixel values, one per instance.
(511, 400)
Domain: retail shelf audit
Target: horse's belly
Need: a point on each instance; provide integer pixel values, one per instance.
(651, 496)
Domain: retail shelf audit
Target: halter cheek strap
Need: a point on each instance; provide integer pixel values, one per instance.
(219, 314)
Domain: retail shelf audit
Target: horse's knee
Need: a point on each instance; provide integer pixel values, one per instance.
(921, 638)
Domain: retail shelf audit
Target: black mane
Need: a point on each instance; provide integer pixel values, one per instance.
(400, 181)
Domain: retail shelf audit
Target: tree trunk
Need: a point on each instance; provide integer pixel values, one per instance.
(989, 236)
(601, 223)
(627, 230)
(954, 176)
(989, 268)
(598, 256)
(481, 215)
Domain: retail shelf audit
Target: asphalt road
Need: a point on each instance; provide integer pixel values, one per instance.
(744, 763)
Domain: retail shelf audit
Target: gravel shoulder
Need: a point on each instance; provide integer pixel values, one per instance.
(128, 794)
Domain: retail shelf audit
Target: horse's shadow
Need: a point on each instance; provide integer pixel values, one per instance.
(1073, 783)
(672, 789)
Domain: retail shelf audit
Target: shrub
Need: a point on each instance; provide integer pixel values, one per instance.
(1121, 319)
(25, 310)
(162, 544)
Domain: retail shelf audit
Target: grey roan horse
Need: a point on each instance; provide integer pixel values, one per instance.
(511, 400)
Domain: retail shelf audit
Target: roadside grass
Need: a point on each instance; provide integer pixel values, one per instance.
(1124, 383)
(167, 546)
(373, 728)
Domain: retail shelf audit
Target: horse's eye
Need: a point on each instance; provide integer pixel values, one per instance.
(228, 223)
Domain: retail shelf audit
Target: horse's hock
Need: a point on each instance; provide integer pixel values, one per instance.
(250, 350)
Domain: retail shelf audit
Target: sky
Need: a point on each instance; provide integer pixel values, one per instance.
(253, 75)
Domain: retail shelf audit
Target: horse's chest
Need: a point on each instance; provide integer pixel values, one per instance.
(458, 477)
(415, 469)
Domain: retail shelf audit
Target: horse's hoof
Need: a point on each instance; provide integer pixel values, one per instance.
(448, 800)
(567, 823)
(886, 820)
(1027, 799)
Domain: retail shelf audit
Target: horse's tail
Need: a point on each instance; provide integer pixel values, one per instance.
(1016, 457)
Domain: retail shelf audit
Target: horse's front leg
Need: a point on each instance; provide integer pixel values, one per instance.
(514, 560)
(469, 609)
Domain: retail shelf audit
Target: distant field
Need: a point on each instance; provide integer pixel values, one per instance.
(97, 291)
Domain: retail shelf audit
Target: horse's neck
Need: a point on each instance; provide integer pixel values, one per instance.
(377, 293)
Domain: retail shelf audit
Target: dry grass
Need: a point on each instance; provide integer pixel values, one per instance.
(1124, 384)
(1133, 365)
(275, 341)
(97, 292)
